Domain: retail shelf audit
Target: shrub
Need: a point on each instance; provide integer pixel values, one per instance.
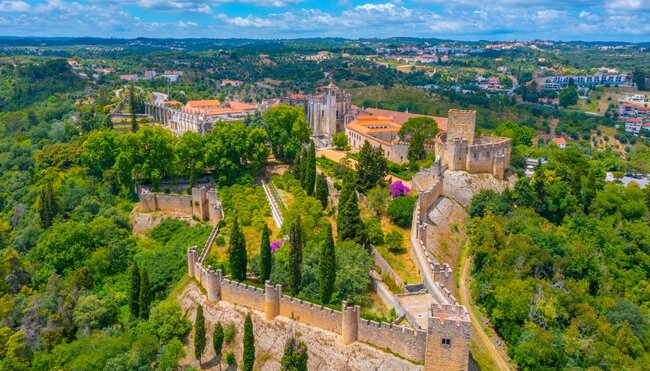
(400, 210)
(394, 240)
(230, 358)
(229, 332)
(375, 234)
(220, 240)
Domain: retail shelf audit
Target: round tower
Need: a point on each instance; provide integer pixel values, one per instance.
(350, 324)
(191, 260)
(213, 284)
(272, 295)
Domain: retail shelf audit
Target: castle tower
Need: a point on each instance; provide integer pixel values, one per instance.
(213, 284)
(461, 125)
(350, 324)
(448, 338)
(200, 203)
(272, 295)
(192, 258)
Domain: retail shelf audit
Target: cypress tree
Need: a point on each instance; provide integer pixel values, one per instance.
(199, 334)
(217, 341)
(310, 170)
(295, 257)
(249, 344)
(295, 355)
(48, 207)
(297, 166)
(327, 268)
(349, 223)
(265, 255)
(133, 104)
(134, 302)
(322, 192)
(145, 296)
(237, 253)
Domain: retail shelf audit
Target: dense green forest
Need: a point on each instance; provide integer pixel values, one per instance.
(562, 267)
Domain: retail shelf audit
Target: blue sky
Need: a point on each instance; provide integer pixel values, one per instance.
(619, 20)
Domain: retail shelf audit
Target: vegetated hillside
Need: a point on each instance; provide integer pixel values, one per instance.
(562, 267)
(35, 82)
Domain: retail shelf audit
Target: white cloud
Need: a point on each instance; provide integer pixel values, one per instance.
(14, 6)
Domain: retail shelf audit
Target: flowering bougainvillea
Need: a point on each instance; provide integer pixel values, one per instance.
(399, 189)
(276, 245)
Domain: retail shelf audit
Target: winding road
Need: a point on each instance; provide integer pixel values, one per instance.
(497, 356)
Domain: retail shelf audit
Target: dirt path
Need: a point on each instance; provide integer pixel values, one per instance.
(486, 343)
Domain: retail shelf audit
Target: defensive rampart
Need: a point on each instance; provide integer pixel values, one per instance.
(346, 322)
(202, 203)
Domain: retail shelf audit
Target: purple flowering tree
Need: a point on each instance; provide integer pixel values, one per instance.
(275, 246)
(398, 189)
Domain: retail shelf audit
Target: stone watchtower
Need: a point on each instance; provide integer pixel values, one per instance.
(350, 324)
(461, 125)
(448, 338)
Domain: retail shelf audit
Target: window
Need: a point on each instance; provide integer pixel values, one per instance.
(446, 341)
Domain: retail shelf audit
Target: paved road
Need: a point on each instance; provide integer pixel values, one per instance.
(486, 343)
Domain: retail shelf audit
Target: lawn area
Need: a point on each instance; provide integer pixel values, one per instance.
(377, 311)
(251, 207)
(401, 262)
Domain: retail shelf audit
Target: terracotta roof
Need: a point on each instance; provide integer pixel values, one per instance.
(203, 103)
(402, 117)
(559, 140)
(173, 102)
(241, 106)
(297, 96)
(373, 124)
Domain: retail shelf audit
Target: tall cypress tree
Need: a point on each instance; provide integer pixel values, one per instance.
(133, 104)
(237, 253)
(134, 302)
(327, 268)
(295, 355)
(145, 295)
(310, 170)
(265, 254)
(217, 341)
(349, 223)
(249, 344)
(322, 192)
(48, 207)
(295, 257)
(297, 166)
(199, 334)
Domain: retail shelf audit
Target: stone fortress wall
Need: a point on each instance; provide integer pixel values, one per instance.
(461, 150)
(202, 203)
(409, 343)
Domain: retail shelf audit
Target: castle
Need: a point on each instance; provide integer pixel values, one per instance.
(325, 112)
(443, 345)
(460, 149)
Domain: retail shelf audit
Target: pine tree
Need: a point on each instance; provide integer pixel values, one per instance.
(295, 257)
(295, 356)
(265, 255)
(249, 344)
(322, 192)
(217, 341)
(199, 334)
(134, 302)
(48, 207)
(237, 253)
(349, 223)
(327, 268)
(145, 296)
(310, 170)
